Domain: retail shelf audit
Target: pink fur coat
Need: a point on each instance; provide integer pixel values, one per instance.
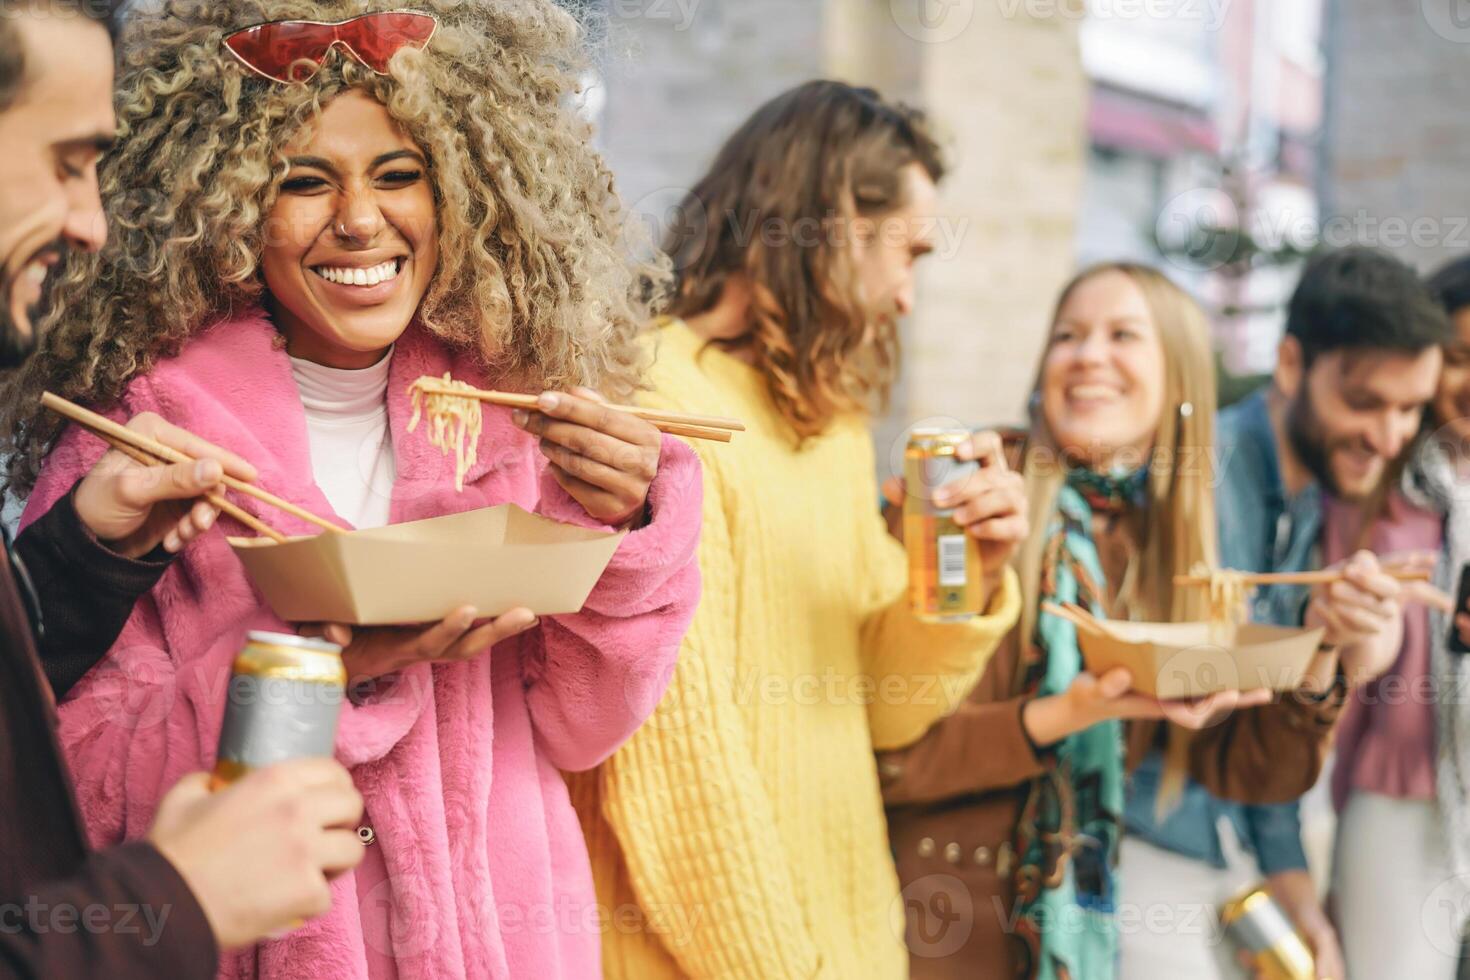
(486, 870)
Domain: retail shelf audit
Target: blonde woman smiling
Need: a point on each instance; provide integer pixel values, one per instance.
(1011, 809)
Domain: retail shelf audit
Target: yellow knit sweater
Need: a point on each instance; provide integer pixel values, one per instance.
(740, 832)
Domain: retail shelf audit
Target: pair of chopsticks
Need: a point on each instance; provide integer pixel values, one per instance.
(1079, 616)
(1323, 577)
(711, 427)
(151, 452)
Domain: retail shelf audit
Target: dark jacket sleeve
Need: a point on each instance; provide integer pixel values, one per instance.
(86, 591)
(126, 914)
(1270, 754)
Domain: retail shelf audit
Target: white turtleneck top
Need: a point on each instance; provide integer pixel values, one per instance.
(347, 431)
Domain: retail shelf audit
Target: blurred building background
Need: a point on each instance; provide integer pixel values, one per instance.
(1203, 135)
(1397, 133)
(1221, 139)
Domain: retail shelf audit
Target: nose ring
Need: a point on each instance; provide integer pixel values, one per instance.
(342, 230)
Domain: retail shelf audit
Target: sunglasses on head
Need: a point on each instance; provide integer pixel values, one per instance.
(295, 50)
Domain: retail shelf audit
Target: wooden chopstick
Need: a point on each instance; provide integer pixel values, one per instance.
(105, 427)
(1072, 616)
(674, 423)
(695, 431)
(216, 499)
(1098, 625)
(1323, 577)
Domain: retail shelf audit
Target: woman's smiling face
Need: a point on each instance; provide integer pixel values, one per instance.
(352, 242)
(1103, 378)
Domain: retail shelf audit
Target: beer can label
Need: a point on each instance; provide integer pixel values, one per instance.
(952, 559)
(276, 719)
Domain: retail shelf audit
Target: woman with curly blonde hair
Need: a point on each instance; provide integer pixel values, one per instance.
(314, 206)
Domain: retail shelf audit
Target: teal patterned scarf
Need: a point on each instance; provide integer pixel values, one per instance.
(1067, 838)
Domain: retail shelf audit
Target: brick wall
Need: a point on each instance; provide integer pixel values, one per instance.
(680, 76)
(1397, 138)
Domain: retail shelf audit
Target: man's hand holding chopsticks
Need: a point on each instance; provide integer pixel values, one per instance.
(1363, 613)
(134, 509)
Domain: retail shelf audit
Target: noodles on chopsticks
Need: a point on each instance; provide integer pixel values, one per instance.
(1229, 598)
(455, 421)
(454, 410)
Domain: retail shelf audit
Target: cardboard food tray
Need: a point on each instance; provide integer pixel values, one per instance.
(1183, 660)
(494, 559)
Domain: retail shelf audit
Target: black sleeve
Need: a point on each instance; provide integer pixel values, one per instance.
(84, 590)
(127, 914)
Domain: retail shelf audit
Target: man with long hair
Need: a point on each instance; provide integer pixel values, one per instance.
(741, 832)
(216, 871)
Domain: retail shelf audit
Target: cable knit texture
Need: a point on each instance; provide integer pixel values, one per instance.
(740, 832)
(458, 763)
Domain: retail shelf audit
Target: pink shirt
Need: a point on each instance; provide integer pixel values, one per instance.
(1386, 740)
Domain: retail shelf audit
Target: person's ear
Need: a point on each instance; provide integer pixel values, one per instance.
(1290, 373)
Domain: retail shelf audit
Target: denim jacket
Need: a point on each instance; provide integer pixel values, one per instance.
(1261, 530)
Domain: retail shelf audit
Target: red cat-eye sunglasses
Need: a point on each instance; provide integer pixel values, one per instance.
(295, 50)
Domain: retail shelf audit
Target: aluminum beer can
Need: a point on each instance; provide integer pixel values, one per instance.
(1256, 922)
(285, 695)
(944, 562)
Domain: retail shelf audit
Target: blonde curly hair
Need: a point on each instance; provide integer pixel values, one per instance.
(538, 267)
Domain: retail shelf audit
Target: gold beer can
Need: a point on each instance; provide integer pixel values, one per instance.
(285, 696)
(1256, 922)
(944, 561)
